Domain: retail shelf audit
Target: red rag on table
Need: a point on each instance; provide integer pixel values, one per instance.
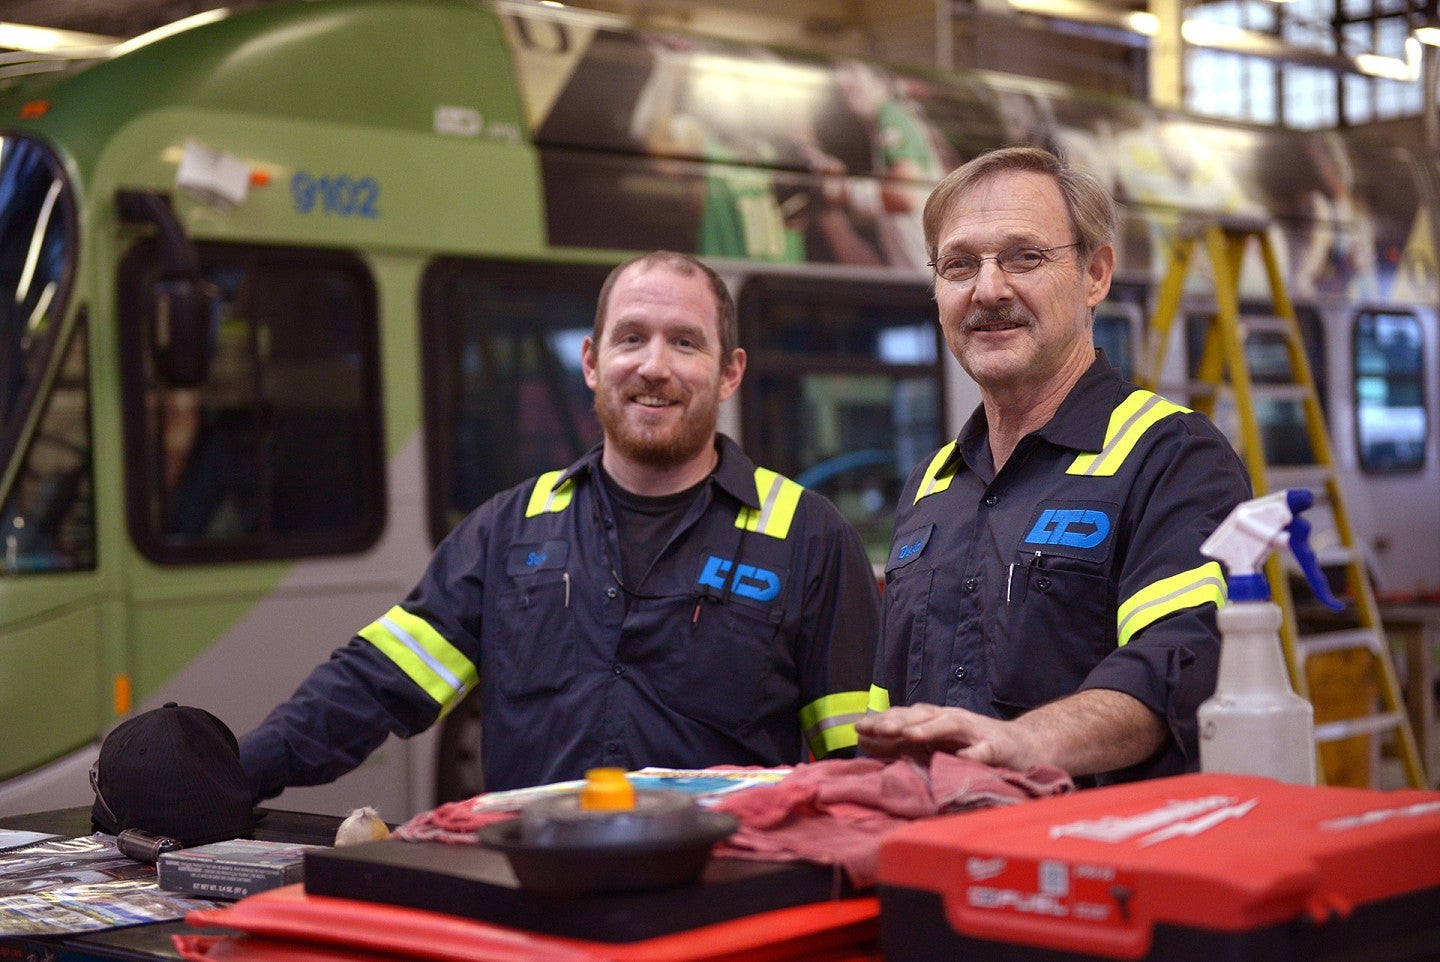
(837, 812)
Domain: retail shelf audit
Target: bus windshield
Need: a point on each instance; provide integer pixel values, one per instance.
(37, 257)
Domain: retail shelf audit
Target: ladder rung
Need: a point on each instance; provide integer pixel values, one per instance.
(1336, 555)
(1350, 727)
(1281, 392)
(1315, 477)
(1230, 223)
(1345, 640)
(1265, 324)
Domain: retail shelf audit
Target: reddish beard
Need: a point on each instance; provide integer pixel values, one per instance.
(657, 448)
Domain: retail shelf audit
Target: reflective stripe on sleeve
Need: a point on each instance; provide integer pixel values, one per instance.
(548, 496)
(1128, 424)
(1189, 589)
(424, 655)
(779, 497)
(933, 482)
(828, 722)
(879, 699)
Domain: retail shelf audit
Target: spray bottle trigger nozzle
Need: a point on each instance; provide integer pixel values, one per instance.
(1300, 547)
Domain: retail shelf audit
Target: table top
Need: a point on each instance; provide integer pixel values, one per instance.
(150, 942)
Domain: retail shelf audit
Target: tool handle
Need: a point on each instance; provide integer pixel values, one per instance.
(144, 847)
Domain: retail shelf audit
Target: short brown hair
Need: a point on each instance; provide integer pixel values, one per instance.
(1088, 203)
(686, 266)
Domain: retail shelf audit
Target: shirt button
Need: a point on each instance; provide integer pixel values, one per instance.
(960, 672)
(991, 501)
(618, 668)
(971, 584)
(612, 748)
(1043, 584)
(611, 592)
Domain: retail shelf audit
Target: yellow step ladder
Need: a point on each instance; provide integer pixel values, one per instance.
(1344, 668)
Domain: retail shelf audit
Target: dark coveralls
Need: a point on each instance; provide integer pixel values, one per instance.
(1077, 566)
(752, 636)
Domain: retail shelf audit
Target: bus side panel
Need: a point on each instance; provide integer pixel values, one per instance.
(48, 685)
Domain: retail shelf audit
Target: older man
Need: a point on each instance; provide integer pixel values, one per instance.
(1046, 600)
(661, 601)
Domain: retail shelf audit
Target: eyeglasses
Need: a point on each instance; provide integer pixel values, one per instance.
(1014, 260)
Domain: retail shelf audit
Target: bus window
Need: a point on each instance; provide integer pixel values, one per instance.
(842, 390)
(278, 452)
(1281, 421)
(505, 398)
(1118, 319)
(48, 522)
(37, 259)
(1390, 416)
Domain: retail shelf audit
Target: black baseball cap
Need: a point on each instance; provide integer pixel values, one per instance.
(172, 771)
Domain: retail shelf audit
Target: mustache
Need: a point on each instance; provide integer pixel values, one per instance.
(1003, 314)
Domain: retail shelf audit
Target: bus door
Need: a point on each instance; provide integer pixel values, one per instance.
(52, 695)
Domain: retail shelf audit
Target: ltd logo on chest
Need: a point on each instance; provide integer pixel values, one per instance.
(746, 581)
(1080, 530)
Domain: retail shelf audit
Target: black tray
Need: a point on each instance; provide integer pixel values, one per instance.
(477, 882)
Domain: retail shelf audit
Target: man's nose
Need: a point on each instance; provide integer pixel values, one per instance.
(991, 284)
(655, 359)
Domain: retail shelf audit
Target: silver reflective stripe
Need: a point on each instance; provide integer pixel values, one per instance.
(424, 655)
(1114, 441)
(768, 506)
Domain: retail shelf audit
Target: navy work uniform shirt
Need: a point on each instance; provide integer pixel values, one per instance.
(1077, 566)
(751, 639)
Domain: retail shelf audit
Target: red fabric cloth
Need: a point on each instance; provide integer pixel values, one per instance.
(837, 812)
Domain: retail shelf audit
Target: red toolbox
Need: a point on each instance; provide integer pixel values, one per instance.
(1197, 867)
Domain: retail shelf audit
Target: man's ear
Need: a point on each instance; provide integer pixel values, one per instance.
(1098, 274)
(587, 361)
(731, 375)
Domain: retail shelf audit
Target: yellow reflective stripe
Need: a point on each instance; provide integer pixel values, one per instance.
(1189, 589)
(879, 699)
(424, 655)
(779, 497)
(934, 483)
(547, 496)
(829, 721)
(1128, 423)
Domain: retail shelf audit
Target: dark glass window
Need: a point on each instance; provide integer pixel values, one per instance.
(277, 453)
(37, 260)
(1391, 420)
(1281, 420)
(842, 391)
(505, 396)
(48, 521)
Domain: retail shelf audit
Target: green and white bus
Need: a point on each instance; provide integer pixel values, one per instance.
(288, 292)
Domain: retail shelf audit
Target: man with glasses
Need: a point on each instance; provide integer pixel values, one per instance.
(1045, 600)
(661, 601)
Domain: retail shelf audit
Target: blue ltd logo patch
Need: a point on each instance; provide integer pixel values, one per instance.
(1070, 527)
(747, 581)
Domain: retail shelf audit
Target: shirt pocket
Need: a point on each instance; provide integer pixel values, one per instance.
(907, 609)
(535, 637)
(1047, 642)
(726, 664)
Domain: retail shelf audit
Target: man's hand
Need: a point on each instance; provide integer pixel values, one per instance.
(1092, 731)
(922, 729)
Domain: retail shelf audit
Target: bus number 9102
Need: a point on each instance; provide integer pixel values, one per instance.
(341, 194)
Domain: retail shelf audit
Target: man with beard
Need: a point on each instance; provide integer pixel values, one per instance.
(1045, 600)
(661, 601)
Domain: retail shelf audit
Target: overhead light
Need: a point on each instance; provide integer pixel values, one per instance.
(1392, 68)
(21, 36)
(1429, 35)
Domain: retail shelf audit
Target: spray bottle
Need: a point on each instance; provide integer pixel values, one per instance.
(1255, 724)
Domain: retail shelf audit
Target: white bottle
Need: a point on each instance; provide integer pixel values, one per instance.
(1255, 724)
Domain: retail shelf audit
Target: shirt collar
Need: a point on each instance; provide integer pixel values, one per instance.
(734, 473)
(1080, 422)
